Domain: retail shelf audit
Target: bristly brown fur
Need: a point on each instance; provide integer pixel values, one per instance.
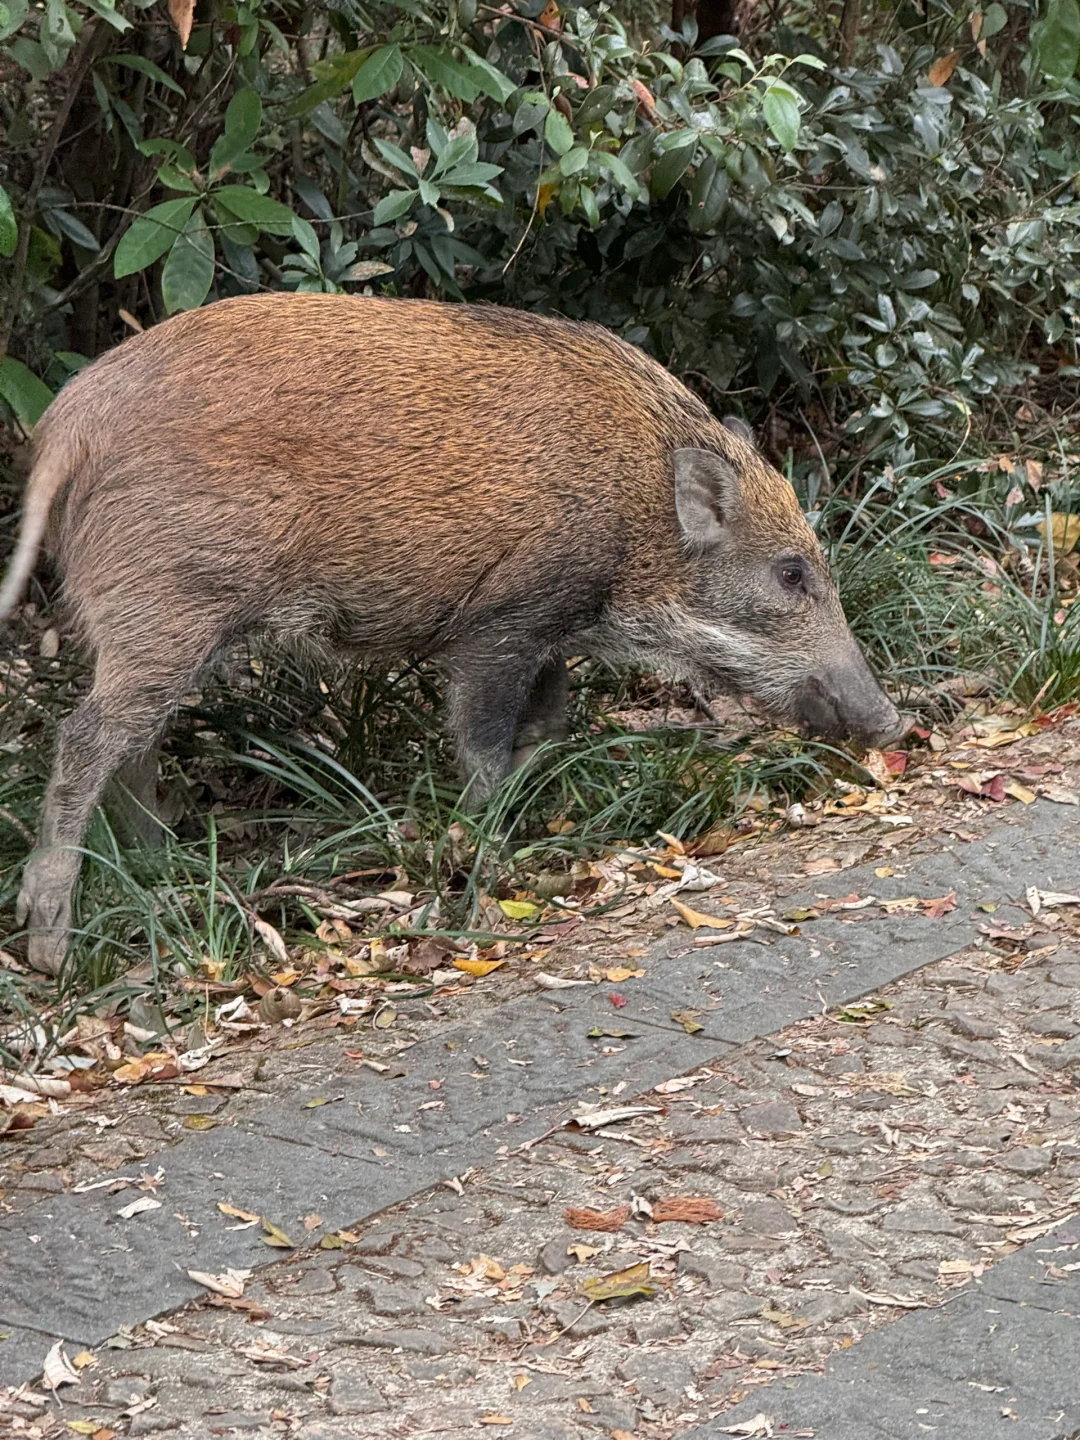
(395, 478)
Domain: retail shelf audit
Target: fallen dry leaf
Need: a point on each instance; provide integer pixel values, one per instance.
(697, 920)
(690, 1209)
(1060, 796)
(557, 982)
(182, 14)
(597, 1119)
(275, 1236)
(57, 1369)
(139, 1207)
(227, 1209)
(229, 1283)
(585, 1219)
(760, 1426)
(478, 968)
(1064, 531)
(942, 69)
(620, 1284)
(939, 908)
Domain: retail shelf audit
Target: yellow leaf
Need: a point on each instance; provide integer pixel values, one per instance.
(697, 920)
(84, 1359)
(479, 967)
(884, 871)
(199, 1122)
(520, 1381)
(227, 1209)
(1064, 532)
(275, 1236)
(1020, 792)
(332, 1242)
(581, 1252)
(618, 973)
(673, 841)
(665, 871)
(495, 1419)
(634, 1280)
(82, 1427)
(195, 1090)
(518, 909)
(543, 200)
(942, 69)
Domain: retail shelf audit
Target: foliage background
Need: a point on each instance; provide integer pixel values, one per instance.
(856, 222)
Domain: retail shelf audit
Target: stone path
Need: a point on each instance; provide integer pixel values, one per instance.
(867, 1161)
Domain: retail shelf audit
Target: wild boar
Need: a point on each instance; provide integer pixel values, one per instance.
(482, 487)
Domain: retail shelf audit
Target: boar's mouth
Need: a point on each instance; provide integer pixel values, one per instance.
(851, 706)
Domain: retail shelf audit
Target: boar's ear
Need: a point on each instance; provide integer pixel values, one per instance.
(738, 426)
(706, 492)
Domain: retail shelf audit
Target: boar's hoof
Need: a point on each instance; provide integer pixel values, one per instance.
(44, 907)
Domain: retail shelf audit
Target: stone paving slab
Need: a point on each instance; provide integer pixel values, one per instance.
(374, 1143)
(1001, 1358)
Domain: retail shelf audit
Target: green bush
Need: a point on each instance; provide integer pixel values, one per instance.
(868, 251)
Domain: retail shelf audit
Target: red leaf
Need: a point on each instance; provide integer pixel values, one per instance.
(895, 761)
(939, 908)
(617, 1000)
(994, 789)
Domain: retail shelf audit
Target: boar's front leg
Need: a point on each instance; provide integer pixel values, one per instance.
(544, 715)
(490, 684)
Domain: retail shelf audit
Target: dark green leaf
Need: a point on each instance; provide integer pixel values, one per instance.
(995, 19)
(189, 270)
(379, 73)
(397, 158)
(782, 115)
(334, 76)
(439, 67)
(480, 173)
(574, 161)
(619, 172)
(247, 204)
(31, 56)
(150, 236)
(557, 132)
(671, 166)
(147, 68)
(17, 11)
(1057, 41)
(24, 392)
(74, 229)
(490, 80)
(242, 121)
(393, 206)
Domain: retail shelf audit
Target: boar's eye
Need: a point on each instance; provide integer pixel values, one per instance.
(792, 574)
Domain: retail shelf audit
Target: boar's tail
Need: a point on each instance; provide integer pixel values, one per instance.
(51, 471)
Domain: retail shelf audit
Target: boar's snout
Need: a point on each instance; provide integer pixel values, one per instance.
(844, 701)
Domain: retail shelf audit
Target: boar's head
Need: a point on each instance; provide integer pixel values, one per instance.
(762, 616)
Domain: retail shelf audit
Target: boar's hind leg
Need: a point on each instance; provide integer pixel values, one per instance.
(119, 721)
(132, 801)
(544, 716)
(489, 688)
